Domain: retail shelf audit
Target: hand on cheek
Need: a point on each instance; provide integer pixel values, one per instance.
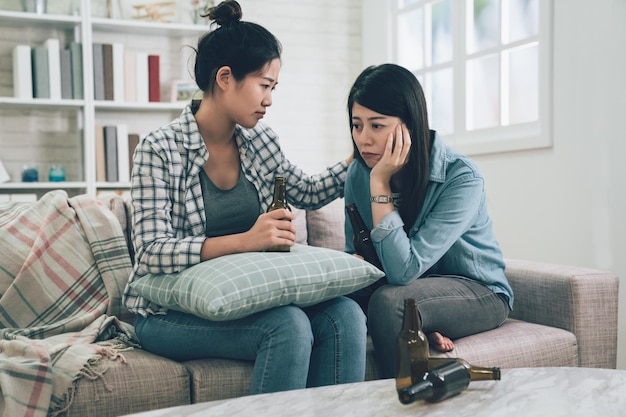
(402, 145)
(396, 153)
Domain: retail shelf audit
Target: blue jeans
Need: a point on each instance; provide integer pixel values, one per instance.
(453, 306)
(291, 347)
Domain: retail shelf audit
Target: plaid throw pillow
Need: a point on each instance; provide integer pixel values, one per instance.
(234, 286)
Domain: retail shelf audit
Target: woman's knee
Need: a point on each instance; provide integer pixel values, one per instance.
(342, 316)
(347, 311)
(385, 301)
(291, 325)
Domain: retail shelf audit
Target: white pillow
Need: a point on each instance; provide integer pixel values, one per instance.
(234, 286)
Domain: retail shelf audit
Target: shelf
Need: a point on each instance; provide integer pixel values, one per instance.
(138, 107)
(112, 185)
(63, 132)
(42, 20)
(147, 28)
(43, 185)
(41, 103)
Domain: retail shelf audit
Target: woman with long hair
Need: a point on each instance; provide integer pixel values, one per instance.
(427, 210)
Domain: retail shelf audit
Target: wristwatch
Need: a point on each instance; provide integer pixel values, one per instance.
(381, 199)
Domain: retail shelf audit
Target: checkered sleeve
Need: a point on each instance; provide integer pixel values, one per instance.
(265, 158)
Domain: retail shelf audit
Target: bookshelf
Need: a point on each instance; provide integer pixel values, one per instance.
(43, 132)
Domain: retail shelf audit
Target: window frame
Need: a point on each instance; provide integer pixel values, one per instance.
(514, 137)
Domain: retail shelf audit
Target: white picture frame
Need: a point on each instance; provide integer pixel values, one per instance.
(183, 91)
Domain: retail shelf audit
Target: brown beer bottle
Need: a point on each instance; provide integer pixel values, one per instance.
(411, 348)
(476, 373)
(437, 384)
(362, 243)
(279, 201)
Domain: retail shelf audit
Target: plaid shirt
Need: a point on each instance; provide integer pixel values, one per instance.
(168, 207)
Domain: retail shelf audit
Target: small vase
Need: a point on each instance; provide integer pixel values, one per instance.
(30, 174)
(56, 173)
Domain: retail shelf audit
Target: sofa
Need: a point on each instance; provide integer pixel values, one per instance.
(563, 316)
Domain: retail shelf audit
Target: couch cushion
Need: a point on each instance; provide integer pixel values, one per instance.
(517, 344)
(237, 285)
(217, 379)
(325, 226)
(144, 382)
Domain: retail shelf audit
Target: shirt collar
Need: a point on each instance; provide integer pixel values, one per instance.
(192, 139)
(438, 160)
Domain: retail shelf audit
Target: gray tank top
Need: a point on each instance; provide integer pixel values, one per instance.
(229, 211)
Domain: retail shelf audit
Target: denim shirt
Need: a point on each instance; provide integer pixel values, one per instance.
(453, 234)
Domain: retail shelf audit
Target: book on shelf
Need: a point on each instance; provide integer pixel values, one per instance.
(114, 152)
(53, 47)
(107, 68)
(133, 141)
(98, 72)
(141, 77)
(130, 76)
(66, 74)
(101, 171)
(41, 80)
(123, 170)
(118, 72)
(110, 153)
(22, 72)
(76, 54)
(154, 78)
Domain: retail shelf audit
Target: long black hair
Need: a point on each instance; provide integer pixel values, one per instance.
(245, 47)
(393, 90)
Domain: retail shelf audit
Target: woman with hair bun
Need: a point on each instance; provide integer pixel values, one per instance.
(200, 189)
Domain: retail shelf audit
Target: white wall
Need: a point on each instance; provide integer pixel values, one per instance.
(321, 58)
(565, 204)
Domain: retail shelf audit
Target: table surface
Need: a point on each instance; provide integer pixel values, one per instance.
(524, 392)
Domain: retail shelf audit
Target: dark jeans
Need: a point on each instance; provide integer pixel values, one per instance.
(291, 347)
(453, 306)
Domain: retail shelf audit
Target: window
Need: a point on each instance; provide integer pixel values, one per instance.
(485, 66)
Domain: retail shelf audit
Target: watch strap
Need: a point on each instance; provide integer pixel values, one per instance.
(381, 199)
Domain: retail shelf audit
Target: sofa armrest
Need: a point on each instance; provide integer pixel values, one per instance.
(580, 300)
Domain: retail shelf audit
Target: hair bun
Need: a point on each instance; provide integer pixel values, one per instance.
(225, 13)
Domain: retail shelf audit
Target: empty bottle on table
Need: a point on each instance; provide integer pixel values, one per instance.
(477, 373)
(411, 349)
(437, 384)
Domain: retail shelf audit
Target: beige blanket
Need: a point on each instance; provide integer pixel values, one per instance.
(63, 267)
